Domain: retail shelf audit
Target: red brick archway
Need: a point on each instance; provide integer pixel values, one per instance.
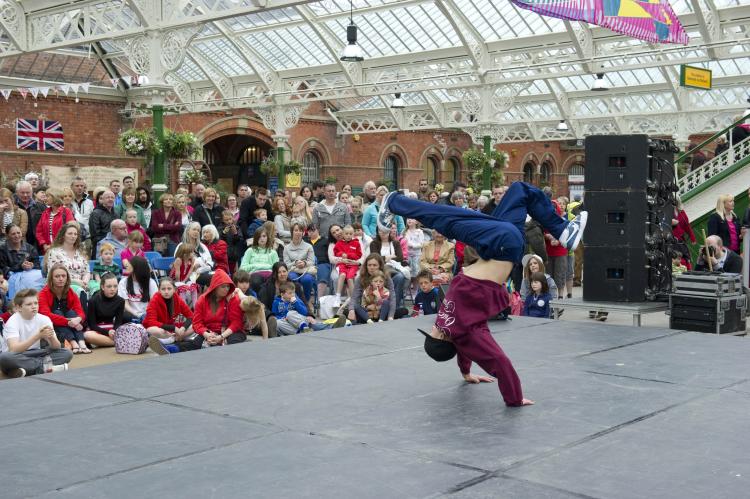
(236, 125)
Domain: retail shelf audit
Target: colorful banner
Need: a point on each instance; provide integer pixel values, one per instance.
(651, 20)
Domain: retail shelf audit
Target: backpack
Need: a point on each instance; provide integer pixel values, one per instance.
(131, 339)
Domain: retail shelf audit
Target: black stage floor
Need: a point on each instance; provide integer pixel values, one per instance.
(362, 412)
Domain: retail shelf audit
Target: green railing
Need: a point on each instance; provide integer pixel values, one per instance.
(713, 137)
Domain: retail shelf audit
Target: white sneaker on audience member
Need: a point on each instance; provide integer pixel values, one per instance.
(60, 367)
(157, 346)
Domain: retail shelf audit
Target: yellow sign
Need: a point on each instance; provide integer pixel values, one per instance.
(293, 180)
(693, 77)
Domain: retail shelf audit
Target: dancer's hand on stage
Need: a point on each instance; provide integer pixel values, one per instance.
(473, 378)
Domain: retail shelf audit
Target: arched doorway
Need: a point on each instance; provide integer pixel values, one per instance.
(528, 172)
(390, 171)
(545, 174)
(235, 159)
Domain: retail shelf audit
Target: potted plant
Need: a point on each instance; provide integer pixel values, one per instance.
(293, 167)
(476, 161)
(194, 177)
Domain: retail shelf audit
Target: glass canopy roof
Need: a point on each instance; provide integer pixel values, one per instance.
(457, 63)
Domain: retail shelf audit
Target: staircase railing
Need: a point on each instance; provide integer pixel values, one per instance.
(714, 167)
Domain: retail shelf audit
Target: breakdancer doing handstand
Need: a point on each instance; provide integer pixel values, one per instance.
(478, 292)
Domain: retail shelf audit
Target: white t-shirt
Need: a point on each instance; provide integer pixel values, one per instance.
(135, 299)
(19, 328)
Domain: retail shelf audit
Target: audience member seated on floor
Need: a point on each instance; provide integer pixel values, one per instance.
(105, 313)
(255, 321)
(19, 263)
(260, 216)
(23, 352)
(184, 273)
(292, 315)
(283, 220)
(348, 252)
(438, 256)
(192, 236)
(117, 236)
(722, 259)
(320, 250)
(132, 225)
(169, 321)
(241, 280)
(259, 259)
(429, 297)
(135, 248)
(373, 263)
(105, 264)
(137, 290)
(52, 219)
(61, 304)
(270, 289)
(677, 266)
(300, 259)
(277, 245)
(395, 263)
(217, 315)
(532, 264)
(537, 302)
(376, 298)
(217, 247)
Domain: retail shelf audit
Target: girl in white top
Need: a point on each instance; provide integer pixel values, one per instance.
(133, 289)
(415, 239)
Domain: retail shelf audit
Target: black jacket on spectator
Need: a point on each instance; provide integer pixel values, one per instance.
(31, 230)
(739, 134)
(236, 245)
(11, 260)
(320, 248)
(204, 216)
(489, 207)
(247, 210)
(719, 227)
(99, 223)
(732, 264)
(35, 214)
(535, 238)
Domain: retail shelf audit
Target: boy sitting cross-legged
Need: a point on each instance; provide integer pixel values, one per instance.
(28, 338)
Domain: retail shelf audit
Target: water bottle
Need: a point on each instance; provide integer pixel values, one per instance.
(47, 364)
(421, 310)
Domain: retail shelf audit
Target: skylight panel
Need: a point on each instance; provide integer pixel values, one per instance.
(224, 55)
(289, 48)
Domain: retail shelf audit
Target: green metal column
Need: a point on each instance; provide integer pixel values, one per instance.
(487, 173)
(160, 172)
(282, 173)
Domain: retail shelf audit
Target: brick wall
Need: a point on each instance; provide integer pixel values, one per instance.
(91, 128)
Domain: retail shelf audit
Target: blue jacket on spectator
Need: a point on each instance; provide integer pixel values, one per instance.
(253, 226)
(281, 308)
(429, 302)
(537, 305)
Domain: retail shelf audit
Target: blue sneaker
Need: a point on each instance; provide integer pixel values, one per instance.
(385, 217)
(572, 234)
(302, 327)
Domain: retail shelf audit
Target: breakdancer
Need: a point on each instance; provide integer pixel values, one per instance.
(478, 292)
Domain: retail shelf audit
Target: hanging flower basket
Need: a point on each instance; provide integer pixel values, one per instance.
(270, 166)
(194, 177)
(136, 142)
(181, 145)
(293, 167)
(476, 161)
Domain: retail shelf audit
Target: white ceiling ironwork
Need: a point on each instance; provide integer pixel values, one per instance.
(457, 63)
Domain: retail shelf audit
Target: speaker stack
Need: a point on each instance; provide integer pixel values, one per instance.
(629, 194)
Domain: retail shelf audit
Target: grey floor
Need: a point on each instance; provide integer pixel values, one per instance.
(362, 412)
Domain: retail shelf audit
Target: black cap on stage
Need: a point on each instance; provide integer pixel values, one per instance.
(439, 350)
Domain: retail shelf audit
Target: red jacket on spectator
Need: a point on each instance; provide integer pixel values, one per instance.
(558, 250)
(228, 314)
(47, 300)
(63, 216)
(683, 227)
(157, 314)
(218, 250)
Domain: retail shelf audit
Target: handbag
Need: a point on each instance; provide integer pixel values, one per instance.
(131, 339)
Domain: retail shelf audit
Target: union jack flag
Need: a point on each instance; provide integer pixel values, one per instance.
(39, 135)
